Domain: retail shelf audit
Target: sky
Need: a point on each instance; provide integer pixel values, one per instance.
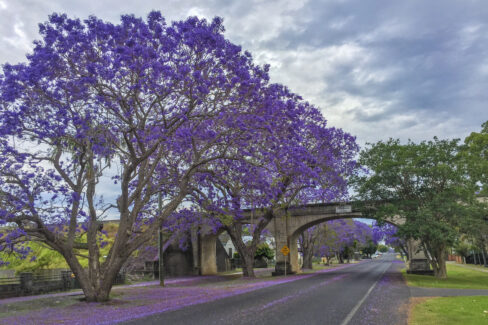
(377, 69)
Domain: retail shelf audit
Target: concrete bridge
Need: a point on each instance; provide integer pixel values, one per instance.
(290, 224)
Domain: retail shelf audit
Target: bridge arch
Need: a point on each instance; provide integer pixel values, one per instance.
(308, 222)
(287, 227)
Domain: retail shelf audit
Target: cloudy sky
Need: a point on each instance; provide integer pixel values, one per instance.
(376, 68)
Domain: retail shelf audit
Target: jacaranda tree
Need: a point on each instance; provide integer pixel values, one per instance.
(293, 158)
(341, 238)
(107, 118)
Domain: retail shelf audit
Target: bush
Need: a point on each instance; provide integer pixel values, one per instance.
(263, 250)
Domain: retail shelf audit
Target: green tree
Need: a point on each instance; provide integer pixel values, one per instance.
(370, 248)
(462, 249)
(382, 248)
(423, 183)
(475, 155)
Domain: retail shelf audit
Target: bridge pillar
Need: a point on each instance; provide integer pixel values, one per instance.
(295, 265)
(208, 254)
(417, 261)
(279, 229)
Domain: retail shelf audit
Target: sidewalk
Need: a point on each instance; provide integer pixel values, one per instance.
(79, 292)
(469, 267)
(168, 282)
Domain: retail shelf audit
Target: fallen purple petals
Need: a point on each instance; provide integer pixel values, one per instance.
(139, 301)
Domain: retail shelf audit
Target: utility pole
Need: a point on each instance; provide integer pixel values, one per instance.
(160, 244)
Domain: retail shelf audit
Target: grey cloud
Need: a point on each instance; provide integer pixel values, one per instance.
(408, 69)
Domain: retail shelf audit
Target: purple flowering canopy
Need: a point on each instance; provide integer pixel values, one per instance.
(292, 158)
(140, 108)
(335, 236)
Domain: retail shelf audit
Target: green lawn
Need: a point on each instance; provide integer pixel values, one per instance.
(450, 310)
(457, 277)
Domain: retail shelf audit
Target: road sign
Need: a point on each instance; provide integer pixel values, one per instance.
(285, 250)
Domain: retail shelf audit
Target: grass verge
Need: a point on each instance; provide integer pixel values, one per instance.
(449, 310)
(458, 277)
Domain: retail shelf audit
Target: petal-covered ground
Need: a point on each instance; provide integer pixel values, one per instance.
(133, 302)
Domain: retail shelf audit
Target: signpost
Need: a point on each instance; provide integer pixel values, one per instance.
(160, 245)
(285, 250)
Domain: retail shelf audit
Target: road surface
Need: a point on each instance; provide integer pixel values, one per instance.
(371, 292)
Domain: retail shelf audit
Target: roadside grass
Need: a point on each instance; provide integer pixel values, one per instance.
(449, 310)
(458, 277)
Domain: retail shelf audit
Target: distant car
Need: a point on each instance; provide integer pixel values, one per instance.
(374, 255)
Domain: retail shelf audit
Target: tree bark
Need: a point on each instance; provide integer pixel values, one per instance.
(307, 260)
(248, 265)
(442, 270)
(306, 245)
(340, 257)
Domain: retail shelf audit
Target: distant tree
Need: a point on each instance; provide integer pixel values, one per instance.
(341, 238)
(389, 233)
(382, 248)
(370, 248)
(462, 249)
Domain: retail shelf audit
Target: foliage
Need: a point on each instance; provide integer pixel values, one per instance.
(462, 248)
(264, 251)
(382, 248)
(423, 183)
(314, 163)
(342, 237)
(370, 248)
(158, 115)
(141, 105)
(475, 153)
(475, 156)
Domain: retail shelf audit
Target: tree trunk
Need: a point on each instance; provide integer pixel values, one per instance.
(442, 271)
(246, 252)
(307, 260)
(340, 257)
(307, 244)
(248, 266)
(483, 253)
(328, 259)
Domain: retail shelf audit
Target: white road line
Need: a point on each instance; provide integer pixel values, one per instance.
(355, 309)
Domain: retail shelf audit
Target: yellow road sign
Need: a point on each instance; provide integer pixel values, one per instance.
(285, 250)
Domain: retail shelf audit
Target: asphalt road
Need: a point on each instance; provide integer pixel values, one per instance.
(371, 292)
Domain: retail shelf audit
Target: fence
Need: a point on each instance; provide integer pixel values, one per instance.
(39, 283)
